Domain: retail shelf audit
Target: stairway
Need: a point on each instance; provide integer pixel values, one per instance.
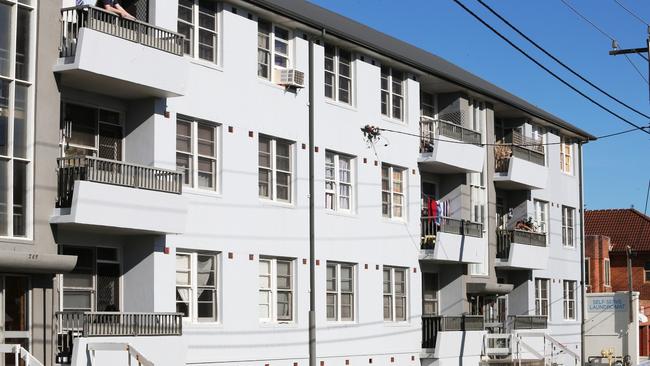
(20, 354)
(510, 349)
(132, 353)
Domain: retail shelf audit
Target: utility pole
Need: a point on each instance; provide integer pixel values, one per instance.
(616, 51)
(628, 252)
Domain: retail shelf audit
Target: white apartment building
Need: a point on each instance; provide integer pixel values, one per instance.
(170, 157)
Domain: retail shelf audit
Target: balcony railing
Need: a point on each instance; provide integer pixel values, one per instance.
(433, 324)
(430, 226)
(528, 321)
(73, 324)
(430, 129)
(518, 146)
(91, 169)
(506, 237)
(73, 19)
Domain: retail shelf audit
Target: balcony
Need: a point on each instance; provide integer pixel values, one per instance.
(447, 337)
(444, 239)
(104, 53)
(446, 147)
(520, 164)
(527, 322)
(73, 327)
(518, 249)
(125, 197)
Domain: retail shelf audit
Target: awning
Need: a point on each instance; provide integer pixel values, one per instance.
(489, 288)
(29, 262)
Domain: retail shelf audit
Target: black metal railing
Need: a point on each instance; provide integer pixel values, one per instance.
(528, 321)
(75, 18)
(85, 168)
(518, 146)
(506, 237)
(433, 324)
(430, 129)
(75, 324)
(430, 226)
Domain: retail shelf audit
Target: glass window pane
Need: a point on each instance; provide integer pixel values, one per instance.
(20, 121)
(83, 129)
(206, 140)
(4, 191)
(4, 115)
(184, 165)
(20, 198)
(206, 174)
(5, 38)
(184, 136)
(78, 280)
(76, 300)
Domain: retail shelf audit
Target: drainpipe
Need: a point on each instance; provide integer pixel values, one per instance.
(582, 258)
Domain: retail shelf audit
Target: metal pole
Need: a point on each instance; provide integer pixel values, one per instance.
(582, 257)
(312, 246)
(628, 252)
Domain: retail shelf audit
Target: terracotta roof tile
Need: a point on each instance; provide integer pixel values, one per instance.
(624, 227)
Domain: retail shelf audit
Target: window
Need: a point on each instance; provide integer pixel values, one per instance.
(392, 191)
(340, 292)
(272, 48)
(566, 152)
(607, 272)
(541, 215)
(646, 270)
(94, 283)
(392, 93)
(275, 169)
(430, 289)
(587, 272)
(196, 153)
(197, 21)
(276, 290)
(568, 215)
(338, 182)
(394, 294)
(196, 286)
(569, 300)
(338, 74)
(90, 131)
(427, 105)
(541, 296)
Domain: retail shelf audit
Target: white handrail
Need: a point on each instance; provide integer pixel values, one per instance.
(106, 346)
(20, 353)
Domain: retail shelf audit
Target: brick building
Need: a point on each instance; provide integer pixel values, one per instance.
(608, 234)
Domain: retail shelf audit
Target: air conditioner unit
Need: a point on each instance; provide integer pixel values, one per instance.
(290, 77)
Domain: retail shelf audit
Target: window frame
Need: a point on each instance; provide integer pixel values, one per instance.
(542, 216)
(336, 182)
(392, 193)
(63, 140)
(569, 299)
(436, 292)
(393, 295)
(194, 156)
(274, 171)
(193, 287)
(272, 52)
(587, 265)
(646, 272)
(273, 290)
(196, 29)
(568, 231)
(566, 156)
(338, 293)
(540, 308)
(337, 62)
(389, 91)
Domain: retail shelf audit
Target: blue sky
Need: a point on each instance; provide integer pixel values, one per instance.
(616, 169)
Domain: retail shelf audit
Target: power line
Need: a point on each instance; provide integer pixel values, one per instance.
(562, 63)
(547, 69)
(637, 69)
(631, 13)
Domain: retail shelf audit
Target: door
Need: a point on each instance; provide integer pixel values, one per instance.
(15, 314)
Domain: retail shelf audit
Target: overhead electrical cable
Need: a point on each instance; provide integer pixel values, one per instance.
(631, 13)
(570, 69)
(556, 76)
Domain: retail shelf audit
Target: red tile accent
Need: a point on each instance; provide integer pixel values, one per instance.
(412, 358)
(365, 160)
(376, 163)
(231, 129)
(366, 266)
(347, 362)
(166, 114)
(413, 171)
(322, 363)
(166, 250)
(316, 149)
(230, 255)
(392, 359)
(623, 226)
(295, 364)
(377, 266)
(318, 262)
(304, 146)
(415, 270)
(251, 257)
(370, 360)
(304, 261)
(250, 134)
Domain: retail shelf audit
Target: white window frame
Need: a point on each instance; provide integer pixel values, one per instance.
(196, 31)
(541, 216)
(540, 308)
(193, 287)
(273, 290)
(390, 92)
(607, 273)
(566, 155)
(392, 193)
(272, 52)
(569, 292)
(273, 196)
(195, 156)
(392, 295)
(568, 228)
(333, 192)
(435, 292)
(336, 73)
(338, 293)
